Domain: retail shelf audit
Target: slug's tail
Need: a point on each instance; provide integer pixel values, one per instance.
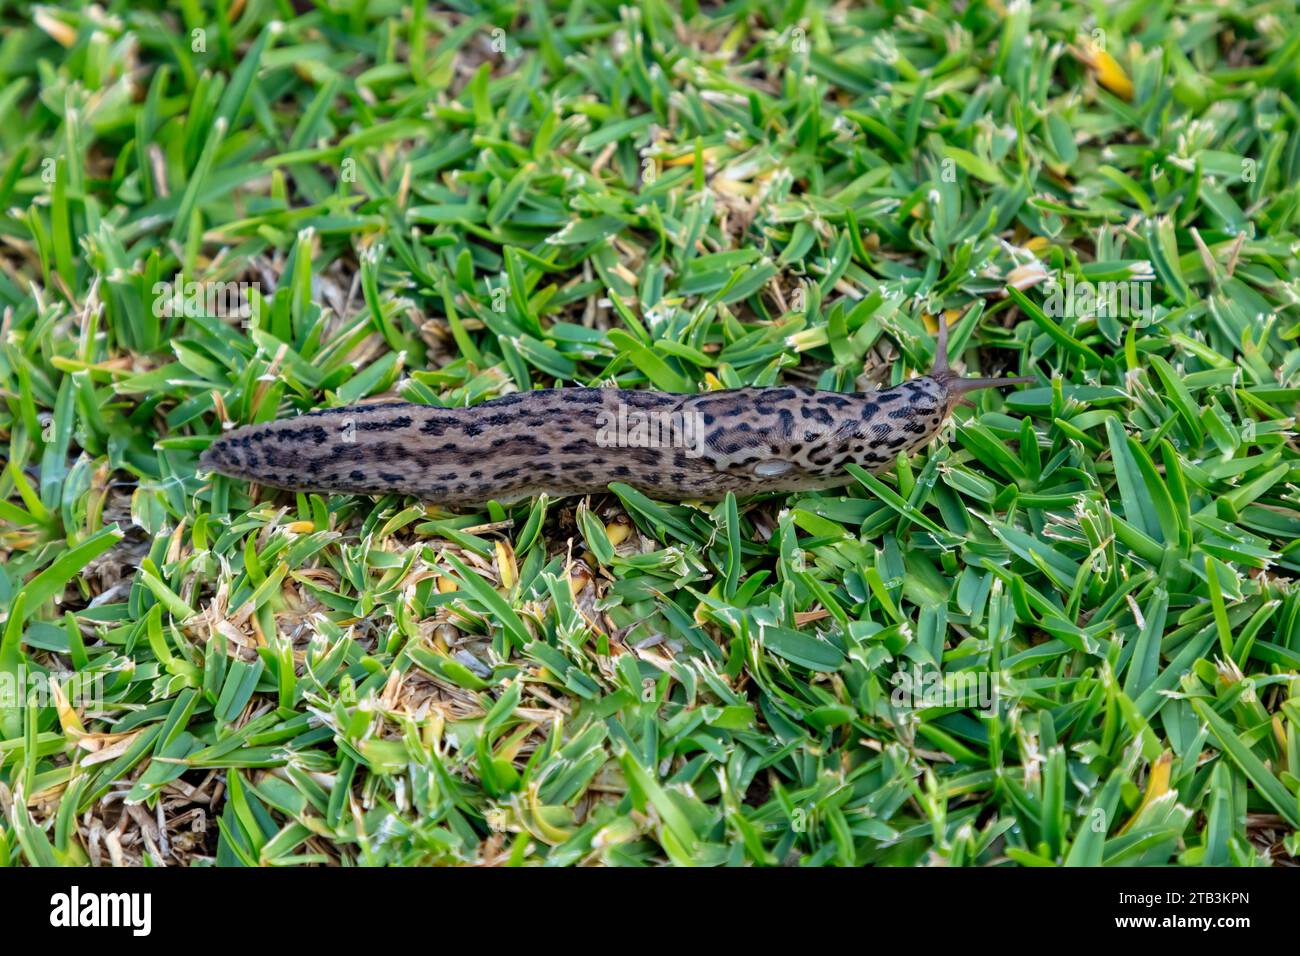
(366, 449)
(956, 384)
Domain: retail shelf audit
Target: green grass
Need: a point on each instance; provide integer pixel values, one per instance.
(447, 206)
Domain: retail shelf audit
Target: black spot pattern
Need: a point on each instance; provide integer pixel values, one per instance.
(557, 441)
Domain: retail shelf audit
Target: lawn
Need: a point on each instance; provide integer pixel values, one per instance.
(1066, 632)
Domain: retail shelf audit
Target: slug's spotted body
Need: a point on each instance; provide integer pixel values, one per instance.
(579, 440)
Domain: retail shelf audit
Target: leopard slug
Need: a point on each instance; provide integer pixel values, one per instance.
(568, 441)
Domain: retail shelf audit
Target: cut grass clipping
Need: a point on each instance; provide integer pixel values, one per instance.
(1068, 633)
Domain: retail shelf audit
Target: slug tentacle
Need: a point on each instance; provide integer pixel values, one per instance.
(578, 440)
(957, 385)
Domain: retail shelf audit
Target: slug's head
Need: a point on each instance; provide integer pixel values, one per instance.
(792, 439)
(904, 418)
(954, 386)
